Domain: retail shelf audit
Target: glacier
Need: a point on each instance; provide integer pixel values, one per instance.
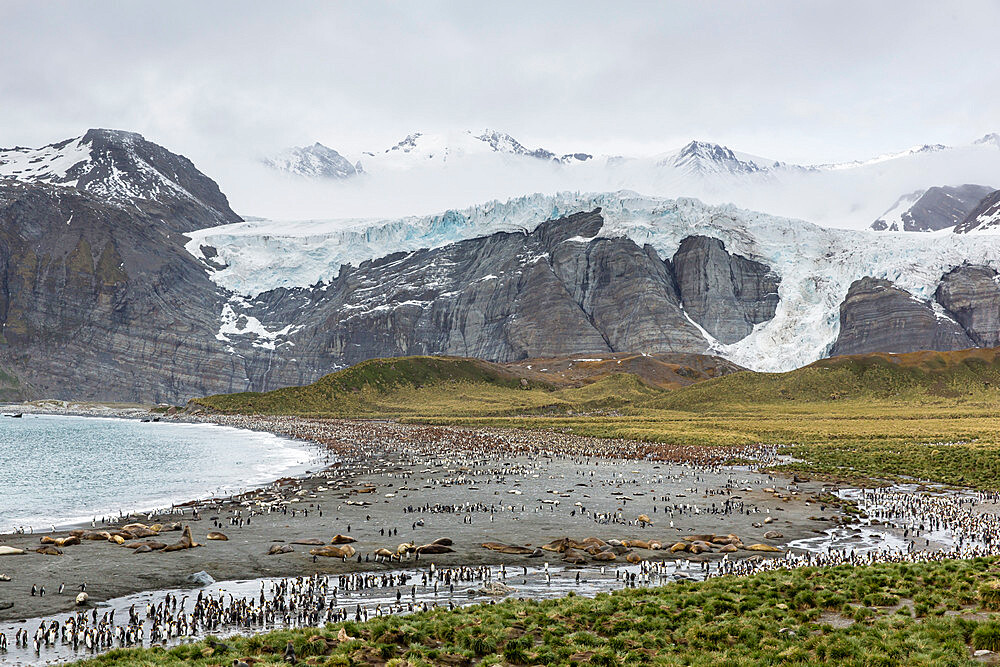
(816, 264)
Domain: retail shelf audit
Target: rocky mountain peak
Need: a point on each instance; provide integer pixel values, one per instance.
(939, 207)
(124, 168)
(502, 142)
(991, 139)
(702, 157)
(317, 161)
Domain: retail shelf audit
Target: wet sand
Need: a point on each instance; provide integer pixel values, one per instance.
(468, 485)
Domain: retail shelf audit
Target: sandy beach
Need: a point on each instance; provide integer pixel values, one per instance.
(396, 484)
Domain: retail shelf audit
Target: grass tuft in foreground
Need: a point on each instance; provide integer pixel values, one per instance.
(891, 614)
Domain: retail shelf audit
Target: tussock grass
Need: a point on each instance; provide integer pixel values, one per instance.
(890, 614)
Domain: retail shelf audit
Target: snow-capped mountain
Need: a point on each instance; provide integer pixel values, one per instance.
(701, 158)
(501, 142)
(99, 282)
(316, 161)
(932, 209)
(433, 171)
(416, 151)
(122, 167)
(887, 157)
(991, 139)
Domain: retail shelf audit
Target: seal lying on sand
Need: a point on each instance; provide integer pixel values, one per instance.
(150, 545)
(61, 541)
(434, 549)
(508, 548)
(216, 535)
(342, 539)
(345, 551)
(279, 549)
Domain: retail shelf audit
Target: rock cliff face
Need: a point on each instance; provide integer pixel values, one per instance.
(97, 302)
(726, 294)
(877, 316)
(556, 291)
(971, 296)
(936, 208)
(102, 302)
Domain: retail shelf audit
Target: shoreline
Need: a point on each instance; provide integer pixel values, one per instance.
(317, 457)
(367, 493)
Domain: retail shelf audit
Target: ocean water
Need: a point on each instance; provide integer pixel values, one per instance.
(60, 470)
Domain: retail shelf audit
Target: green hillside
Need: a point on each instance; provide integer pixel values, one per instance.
(929, 415)
(919, 376)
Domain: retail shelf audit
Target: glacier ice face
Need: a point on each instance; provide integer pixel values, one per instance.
(816, 264)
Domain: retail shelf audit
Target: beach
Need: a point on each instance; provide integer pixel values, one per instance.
(393, 484)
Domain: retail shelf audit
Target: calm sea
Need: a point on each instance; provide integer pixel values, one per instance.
(62, 470)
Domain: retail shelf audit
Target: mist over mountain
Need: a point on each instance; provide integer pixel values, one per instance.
(427, 172)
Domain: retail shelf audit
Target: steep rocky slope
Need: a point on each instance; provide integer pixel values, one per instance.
(985, 217)
(556, 291)
(932, 209)
(98, 302)
(120, 168)
(878, 316)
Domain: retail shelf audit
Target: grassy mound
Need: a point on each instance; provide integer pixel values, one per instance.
(356, 391)
(893, 614)
(914, 377)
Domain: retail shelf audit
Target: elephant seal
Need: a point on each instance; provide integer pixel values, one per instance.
(310, 541)
(152, 545)
(10, 551)
(279, 549)
(345, 551)
(82, 599)
(342, 539)
(636, 544)
(434, 549)
(763, 547)
(49, 550)
(443, 541)
(142, 549)
(61, 541)
(216, 535)
(142, 531)
(186, 541)
(95, 535)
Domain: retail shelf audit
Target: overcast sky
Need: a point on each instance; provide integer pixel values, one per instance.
(798, 81)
